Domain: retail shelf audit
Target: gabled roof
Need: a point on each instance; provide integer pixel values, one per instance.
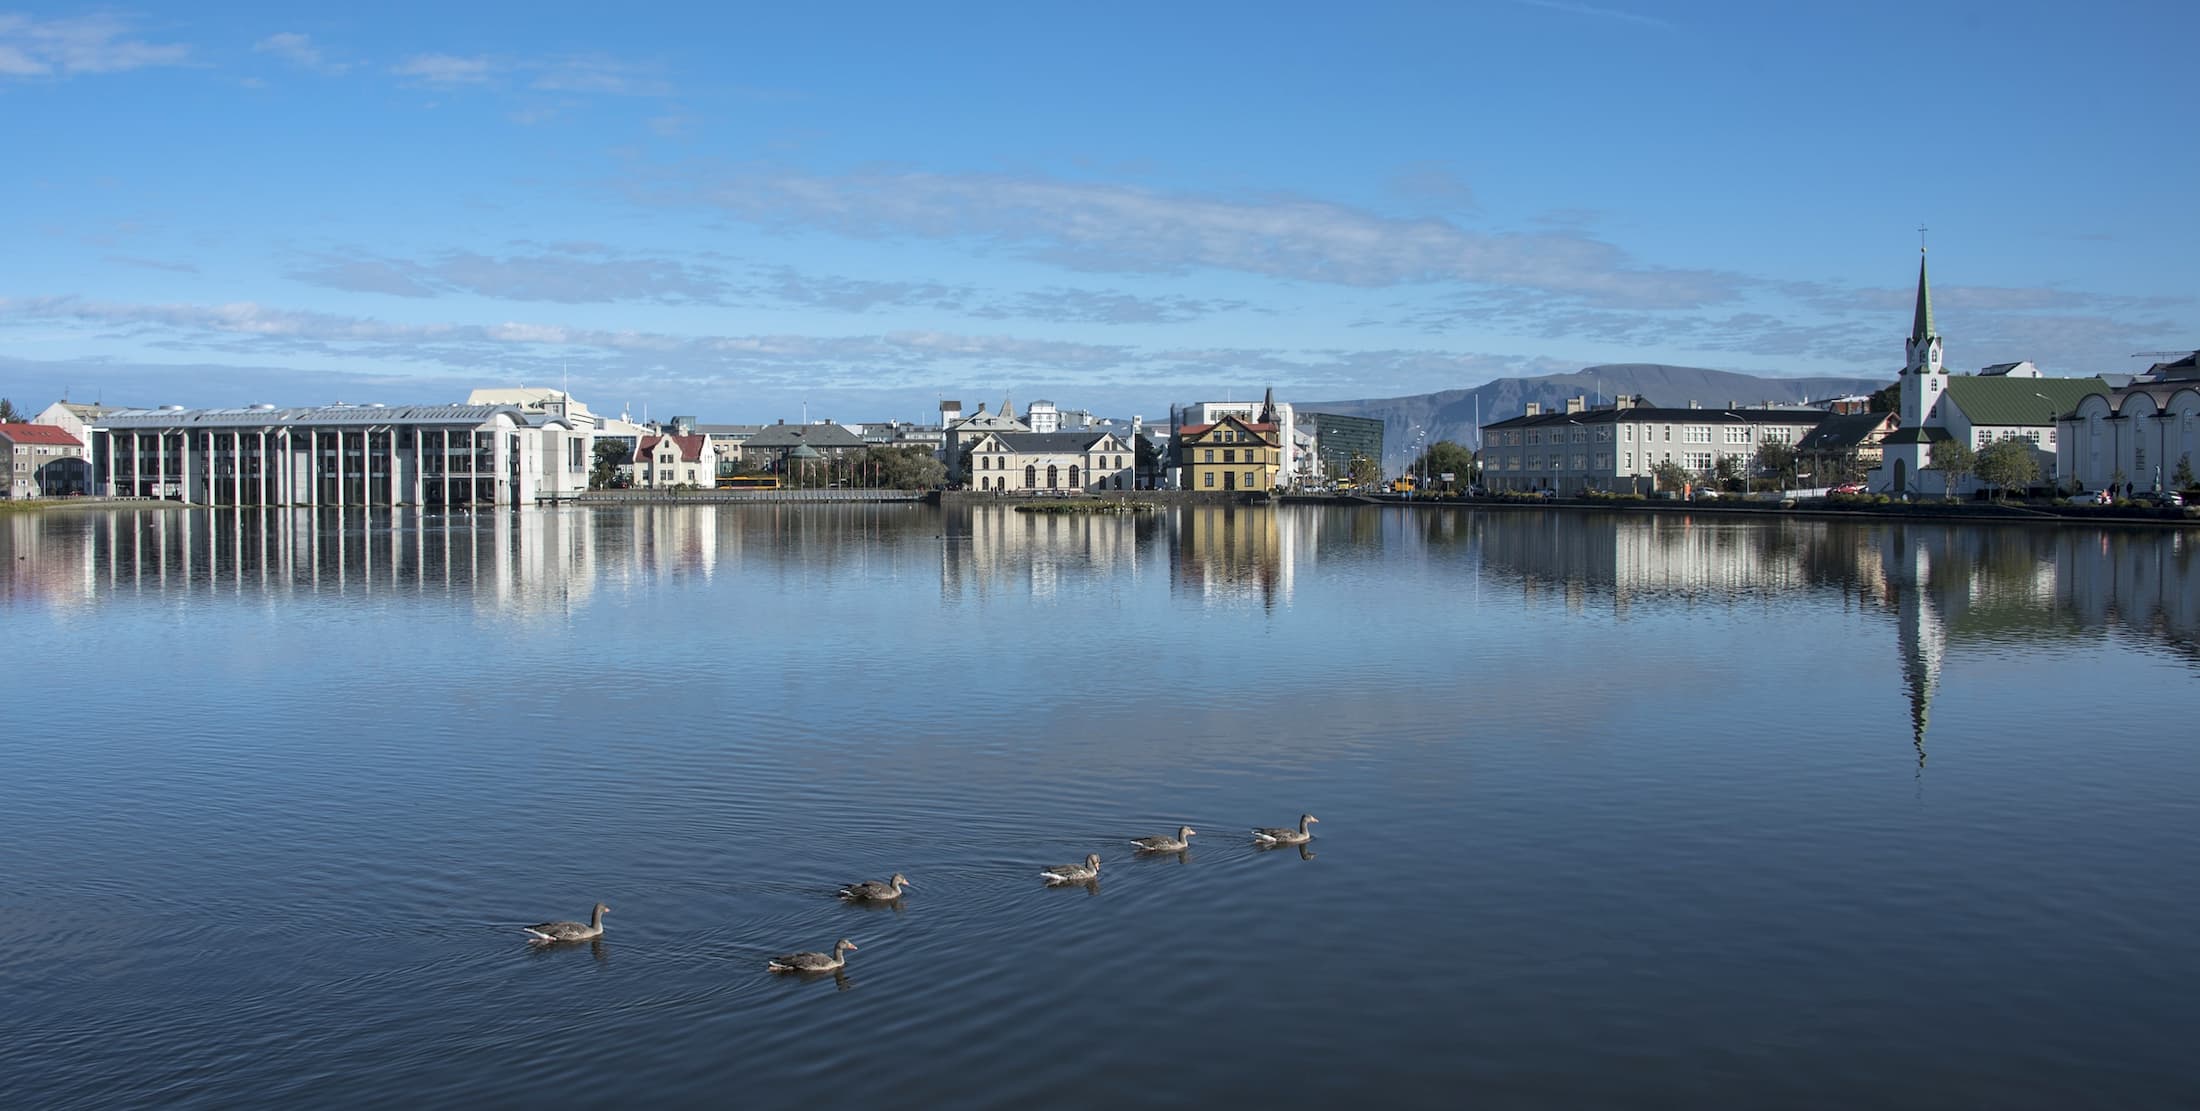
(1049, 443)
(2019, 401)
(691, 447)
(817, 436)
(1842, 431)
(39, 434)
(1266, 432)
(1929, 435)
(89, 410)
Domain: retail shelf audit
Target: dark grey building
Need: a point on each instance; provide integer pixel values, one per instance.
(1338, 439)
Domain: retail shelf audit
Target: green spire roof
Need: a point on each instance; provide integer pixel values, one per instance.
(1922, 328)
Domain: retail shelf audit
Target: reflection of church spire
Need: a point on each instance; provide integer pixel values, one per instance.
(1921, 636)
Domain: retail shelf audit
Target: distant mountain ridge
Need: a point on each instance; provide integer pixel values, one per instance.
(1450, 414)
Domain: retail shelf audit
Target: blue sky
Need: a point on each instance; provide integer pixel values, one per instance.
(734, 210)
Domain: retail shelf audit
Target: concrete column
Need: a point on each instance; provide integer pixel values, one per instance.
(342, 476)
(236, 467)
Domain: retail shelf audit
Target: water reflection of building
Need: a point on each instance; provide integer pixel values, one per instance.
(988, 548)
(1921, 637)
(535, 561)
(1947, 589)
(1234, 551)
(1646, 556)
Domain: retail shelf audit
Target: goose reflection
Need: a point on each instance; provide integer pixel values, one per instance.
(598, 949)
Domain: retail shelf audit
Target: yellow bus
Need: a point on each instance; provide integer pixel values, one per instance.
(748, 482)
(1402, 485)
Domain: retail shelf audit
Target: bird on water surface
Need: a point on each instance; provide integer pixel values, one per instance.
(1287, 836)
(1166, 844)
(814, 962)
(1074, 873)
(872, 891)
(542, 933)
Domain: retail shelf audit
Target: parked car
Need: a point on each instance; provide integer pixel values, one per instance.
(2092, 497)
(1848, 488)
(2164, 499)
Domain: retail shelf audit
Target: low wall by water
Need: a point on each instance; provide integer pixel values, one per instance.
(1965, 512)
(1155, 497)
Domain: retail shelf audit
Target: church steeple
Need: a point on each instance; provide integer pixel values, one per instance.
(1923, 346)
(1923, 376)
(1921, 329)
(1268, 407)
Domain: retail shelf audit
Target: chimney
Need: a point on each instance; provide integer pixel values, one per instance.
(1535, 409)
(1694, 404)
(1576, 404)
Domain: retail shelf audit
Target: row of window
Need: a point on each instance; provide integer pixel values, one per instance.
(1740, 435)
(1250, 482)
(1000, 463)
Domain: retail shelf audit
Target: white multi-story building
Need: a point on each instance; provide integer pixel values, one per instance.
(1618, 449)
(2143, 436)
(1022, 462)
(341, 455)
(40, 461)
(662, 462)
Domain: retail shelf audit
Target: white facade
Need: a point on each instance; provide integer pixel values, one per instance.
(1619, 449)
(2137, 437)
(666, 462)
(1015, 463)
(1042, 416)
(340, 455)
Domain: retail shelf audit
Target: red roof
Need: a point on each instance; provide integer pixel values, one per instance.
(1196, 429)
(39, 434)
(691, 447)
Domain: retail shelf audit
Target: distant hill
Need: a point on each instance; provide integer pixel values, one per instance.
(1450, 415)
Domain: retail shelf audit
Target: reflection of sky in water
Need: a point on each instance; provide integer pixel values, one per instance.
(1796, 799)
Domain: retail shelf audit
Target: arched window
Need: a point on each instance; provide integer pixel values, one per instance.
(1031, 476)
(1054, 477)
(1073, 476)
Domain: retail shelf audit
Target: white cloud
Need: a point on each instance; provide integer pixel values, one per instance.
(445, 71)
(77, 45)
(1102, 227)
(298, 50)
(598, 75)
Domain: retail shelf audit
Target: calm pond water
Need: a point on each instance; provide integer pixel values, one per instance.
(1617, 810)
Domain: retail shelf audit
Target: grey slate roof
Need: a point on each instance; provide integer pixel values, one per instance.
(1840, 432)
(1049, 443)
(1667, 416)
(818, 436)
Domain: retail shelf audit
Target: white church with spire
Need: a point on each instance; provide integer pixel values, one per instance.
(2001, 402)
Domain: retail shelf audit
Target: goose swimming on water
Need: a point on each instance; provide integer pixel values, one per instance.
(814, 962)
(543, 933)
(1165, 844)
(1299, 836)
(1074, 873)
(872, 891)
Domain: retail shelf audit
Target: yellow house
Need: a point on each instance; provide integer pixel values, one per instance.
(1230, 454)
